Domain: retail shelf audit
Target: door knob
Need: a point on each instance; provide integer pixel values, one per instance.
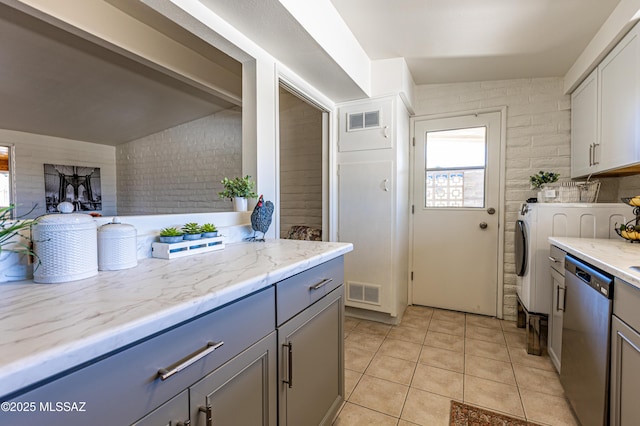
(491, 210)
(483, 225)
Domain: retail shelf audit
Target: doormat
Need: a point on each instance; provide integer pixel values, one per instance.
(468, 415)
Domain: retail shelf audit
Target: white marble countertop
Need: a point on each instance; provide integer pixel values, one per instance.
(614, 256)
(48, 328)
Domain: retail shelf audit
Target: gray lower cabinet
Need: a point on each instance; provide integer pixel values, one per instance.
(241, 392)
(126, 387)
(312, 363)
(174, 412)
(274, 357)
(625, 356)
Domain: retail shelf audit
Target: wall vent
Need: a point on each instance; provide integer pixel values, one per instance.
(363, 120)
(363, 293)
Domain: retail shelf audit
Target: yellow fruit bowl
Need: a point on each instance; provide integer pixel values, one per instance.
(628, 231)
(632, 201)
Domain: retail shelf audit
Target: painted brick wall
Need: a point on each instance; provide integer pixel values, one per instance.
(538, 138)
(300, 164)
(33, 151)
(179, 170)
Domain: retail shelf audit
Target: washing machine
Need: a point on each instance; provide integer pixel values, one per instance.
(536, 223)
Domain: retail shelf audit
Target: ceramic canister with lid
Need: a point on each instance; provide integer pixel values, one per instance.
(117, 246)
(66, 247)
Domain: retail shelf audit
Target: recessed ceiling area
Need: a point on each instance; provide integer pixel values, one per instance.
(58, 84)
(470, 40)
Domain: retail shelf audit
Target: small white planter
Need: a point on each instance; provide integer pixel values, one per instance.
(239, 204)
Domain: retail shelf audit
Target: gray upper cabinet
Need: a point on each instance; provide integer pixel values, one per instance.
(606, 112)
(584, 126)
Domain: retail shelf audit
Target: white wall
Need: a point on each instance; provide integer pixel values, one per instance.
(538, 138)
(300, 163)
(33, 151)
(179, 169)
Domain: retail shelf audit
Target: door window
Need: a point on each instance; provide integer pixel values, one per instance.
(455, 162)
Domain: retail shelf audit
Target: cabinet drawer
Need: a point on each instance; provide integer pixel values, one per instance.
(296, 293)
(556, 258)
(626, 299)
(129, 379)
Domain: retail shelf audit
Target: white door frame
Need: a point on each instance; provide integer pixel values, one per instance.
(501, 208)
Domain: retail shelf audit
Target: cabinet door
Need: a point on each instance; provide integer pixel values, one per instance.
(311, 367)
(555, 319)
(584, 118)
(366, 125)
(365, 218)
(241, 392)
(174, 412)
(619, 77)
(625, 374)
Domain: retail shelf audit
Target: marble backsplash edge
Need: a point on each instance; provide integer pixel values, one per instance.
(233, 226)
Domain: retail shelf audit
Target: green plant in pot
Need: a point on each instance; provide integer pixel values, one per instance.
(192, 231)
(171, 235)
(540, 179)
(209, 230)
(238, 190)
(10, 230)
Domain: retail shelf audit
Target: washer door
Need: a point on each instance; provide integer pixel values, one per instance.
(521, 248)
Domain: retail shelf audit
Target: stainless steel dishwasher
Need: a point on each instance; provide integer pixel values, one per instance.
(585, 341)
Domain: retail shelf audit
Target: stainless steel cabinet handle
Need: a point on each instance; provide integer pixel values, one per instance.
(165, 373)
(386, 185)
(208, 412)
(590, 155)
(558, 298)
(553, 259)
(320, 284)
(384, 132)
(289, 380)
(594, 154)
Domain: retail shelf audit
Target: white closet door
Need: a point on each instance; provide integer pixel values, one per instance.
(365, 211)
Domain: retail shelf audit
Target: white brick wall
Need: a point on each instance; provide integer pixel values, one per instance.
(179, 170)
(33, 151)
(300, 164)
(538, 138)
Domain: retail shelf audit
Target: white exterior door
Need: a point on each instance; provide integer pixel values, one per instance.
(456, 191)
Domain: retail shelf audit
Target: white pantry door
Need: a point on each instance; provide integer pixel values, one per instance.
(456, 193)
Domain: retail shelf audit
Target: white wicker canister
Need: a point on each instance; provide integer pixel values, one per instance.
(66, 245)
(117, 246)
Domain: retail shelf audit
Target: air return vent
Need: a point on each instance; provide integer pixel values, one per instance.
(363, 120)
(364, 293)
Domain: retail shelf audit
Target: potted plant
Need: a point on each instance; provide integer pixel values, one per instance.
(171, 235)
(539, 180)
(191, 231)
(238, 190)
(209, 230)
(9, 229)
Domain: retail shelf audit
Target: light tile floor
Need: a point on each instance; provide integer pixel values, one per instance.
(408, 374)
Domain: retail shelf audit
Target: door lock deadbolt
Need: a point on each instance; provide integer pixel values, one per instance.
(491, 210)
